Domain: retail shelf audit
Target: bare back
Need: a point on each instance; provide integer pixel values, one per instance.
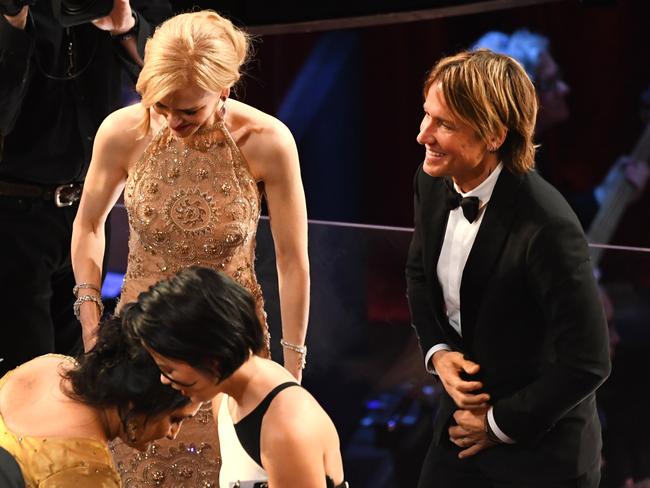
(298, 440)
(55, 440)
(296, 423)
(34, 391)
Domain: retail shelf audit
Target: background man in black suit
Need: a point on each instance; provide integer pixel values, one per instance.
(56, 86)
(533, 51)
(501, 291)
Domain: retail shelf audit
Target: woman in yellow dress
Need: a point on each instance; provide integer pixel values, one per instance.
(57, 415)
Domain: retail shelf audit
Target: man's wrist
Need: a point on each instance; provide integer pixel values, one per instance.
(492, 425)
(438, 354)
(428, 363)
(492, 437)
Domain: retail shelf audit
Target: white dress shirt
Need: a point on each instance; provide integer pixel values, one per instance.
(457, 244)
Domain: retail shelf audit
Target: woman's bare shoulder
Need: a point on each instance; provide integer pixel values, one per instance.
(295, 422)
(37, 389)
(124, 119)
(259, 125)
(119, 137)
(27, 383)
(265, 141)
(296, 409)
(38, 366)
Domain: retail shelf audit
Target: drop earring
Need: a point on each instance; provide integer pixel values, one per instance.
(222, 110)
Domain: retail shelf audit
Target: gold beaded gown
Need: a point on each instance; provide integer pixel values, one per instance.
(190, 202)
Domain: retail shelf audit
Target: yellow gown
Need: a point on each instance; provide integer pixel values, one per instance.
(55, 462)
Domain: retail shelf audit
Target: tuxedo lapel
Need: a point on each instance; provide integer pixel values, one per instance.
(487, 249)
(435, 215)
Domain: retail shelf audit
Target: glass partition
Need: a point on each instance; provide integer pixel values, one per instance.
(365, 367)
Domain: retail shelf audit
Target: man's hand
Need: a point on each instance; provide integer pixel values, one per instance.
(469, 432)
(119, 20)
(449, 366)
(19, 21)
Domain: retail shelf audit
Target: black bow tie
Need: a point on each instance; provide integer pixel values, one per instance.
(469, 205)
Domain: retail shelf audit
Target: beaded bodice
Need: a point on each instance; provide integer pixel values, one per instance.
(191, 202)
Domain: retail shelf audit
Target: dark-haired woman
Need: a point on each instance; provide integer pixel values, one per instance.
(202, 330)
(57, 415)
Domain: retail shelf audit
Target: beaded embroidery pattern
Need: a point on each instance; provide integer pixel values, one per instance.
(191, 202)
(189, 464)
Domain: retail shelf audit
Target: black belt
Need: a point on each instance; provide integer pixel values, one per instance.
(61, 195)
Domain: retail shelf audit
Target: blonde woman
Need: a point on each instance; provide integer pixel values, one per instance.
(194, 166)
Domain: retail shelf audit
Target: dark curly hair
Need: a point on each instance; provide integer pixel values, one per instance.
(200, 317)
(118, 372)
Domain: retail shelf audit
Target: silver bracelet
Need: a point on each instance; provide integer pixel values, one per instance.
(89, 286)
(87, 298)
(302, 350)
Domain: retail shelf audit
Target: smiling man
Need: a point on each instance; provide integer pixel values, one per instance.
(501, 291)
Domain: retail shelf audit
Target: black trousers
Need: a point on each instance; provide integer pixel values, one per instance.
(443, 469)
(37, 280)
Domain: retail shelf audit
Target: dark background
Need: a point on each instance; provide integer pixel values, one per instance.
(353, 97)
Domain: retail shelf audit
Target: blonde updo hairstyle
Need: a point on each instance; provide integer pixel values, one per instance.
(492, 94)
(201, 48)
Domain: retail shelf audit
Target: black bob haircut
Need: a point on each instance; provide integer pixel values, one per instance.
(198, 316)
(119, 372)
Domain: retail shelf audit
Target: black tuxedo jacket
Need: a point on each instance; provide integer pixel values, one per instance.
(531, 317)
